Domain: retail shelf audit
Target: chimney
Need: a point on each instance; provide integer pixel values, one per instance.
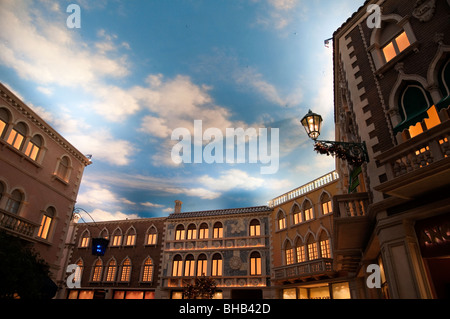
(178, 206)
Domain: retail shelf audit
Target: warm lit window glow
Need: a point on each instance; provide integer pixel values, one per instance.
(202, 264)
(255, 228)
(326, 207)
(147, 273)
(218, 230)
(45, 225)
(15, 139)
(289, 256)
(255, 264)
(301, 257)
(281, 221)
(203, 232)
(325, 248)
(433, 118)
(111, 271)
(308, 214)
(130, 240)
(216, 265)
(192, 232)
(116, 240)
(84, 241)
(392, 49)
(179, 233)
(126, 270)
(177, 266)
(189, 266)
(96, 275)
(312, 251)
(33, 147)
(151, 239)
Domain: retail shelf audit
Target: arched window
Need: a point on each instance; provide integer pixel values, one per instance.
(255, 228)
(116, 238)
(17, 135)
(189, 266)
(202, 264)
(281, 220)
(152, 236)
(308, 210)
(218, 230)
(46, 222)
(4, 120)
(300, 251)
(192, 232)
(312, 248)
(324, 242)
(147, 271)
(297, 214)
(33, 147)
(14, 201)
(177, 266)
(217, 265)
(84, 239)
(130, 237)
(63, 168)
(326, 204)
(289, 253)
(111, 270)
(179, 232)
(203, 231)
(97, 273)
(104, 233)
(255, 263)
(125, 274)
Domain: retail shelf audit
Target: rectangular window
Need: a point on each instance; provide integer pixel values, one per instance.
(189, 268)
(192, 234)
(15, 139)
(179, 234)
(203, 233)
(326, 207)
(217, 267)
(301, 254)
(84, 242)
(151, 239)
(116, 240)
(255, 230)
(2, 127)
(218, 232)
(289, 256)
(312, 251)
(126, 273)
(297, 218)
(282, 223)
(130, 240)
(148, 273)
(255, 266)
(32, 151)
(45, 227)
(396, 46)
(97, 273)
(308, 214)
(325, 248)
(176, 269)
(201, 267)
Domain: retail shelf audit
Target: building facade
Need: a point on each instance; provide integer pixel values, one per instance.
(129, 269)
(302, 243)
(40, 174)
(392, 80)
(230, 245)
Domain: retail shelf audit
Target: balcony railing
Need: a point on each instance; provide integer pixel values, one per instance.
(317, 183)
(304, 269)
(350, 205)
(18, 225)
(223, 281)
(217, 243)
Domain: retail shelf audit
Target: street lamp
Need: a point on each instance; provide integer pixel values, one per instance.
(354, 153)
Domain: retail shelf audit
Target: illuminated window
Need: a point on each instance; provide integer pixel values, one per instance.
(116, 239)
(255, 228)
(218, 230)
(84, 242)
(14, 201)
(325, 248)
(216, 265)
(17, 135)
(126, 270)
(297, 215)
(203, 231)
(326, 204)
(202, 264)
(147, 271)
(289, 254)
(255, 264)
(46, 222)
(312, 251)
(152, 236)
(308, 211)
(177, 266)
(396, 46)
(192, 232)
(63, 168)
(78, 274)
(4, 120)
(281, 220)
(97, 273)
(130, 238)
(111, 270)
(179, 232)
(300, 251)
(33, 147)
(189, 266)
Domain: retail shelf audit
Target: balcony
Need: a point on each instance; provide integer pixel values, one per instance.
(217, 243)
(221, 282)
(351, 229)
(418, 165)
(17, 225)
(301, 272)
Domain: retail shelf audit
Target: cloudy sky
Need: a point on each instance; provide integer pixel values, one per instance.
(136, 73)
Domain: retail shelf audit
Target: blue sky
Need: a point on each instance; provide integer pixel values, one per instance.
(118, 86)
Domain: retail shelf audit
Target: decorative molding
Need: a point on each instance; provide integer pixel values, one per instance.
(424, 10)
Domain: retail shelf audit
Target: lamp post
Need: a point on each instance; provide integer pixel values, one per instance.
(354, 153)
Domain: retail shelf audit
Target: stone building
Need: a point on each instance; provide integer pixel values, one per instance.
(40, 174)
(391, 85)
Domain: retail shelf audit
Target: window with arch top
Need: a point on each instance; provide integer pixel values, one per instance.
(17, 135)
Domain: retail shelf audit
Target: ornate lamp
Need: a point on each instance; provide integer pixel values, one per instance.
(354, 153)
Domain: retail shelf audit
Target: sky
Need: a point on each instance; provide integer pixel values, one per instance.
(149, 89)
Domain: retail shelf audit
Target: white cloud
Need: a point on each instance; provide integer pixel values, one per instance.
(231, 179)
(102, 215)
(148, 204)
